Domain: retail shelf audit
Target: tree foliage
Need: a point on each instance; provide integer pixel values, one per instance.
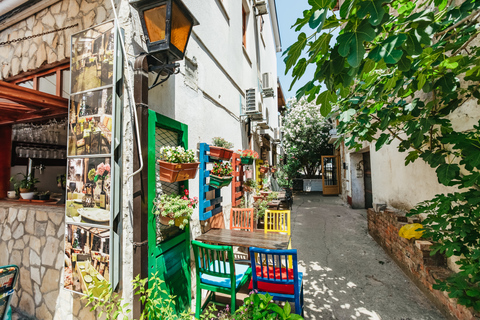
(395, 72)
(306, 134)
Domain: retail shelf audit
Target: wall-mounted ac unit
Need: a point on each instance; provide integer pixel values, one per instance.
(254, 105)
(276, 135)
(267, 85)
(261, 6)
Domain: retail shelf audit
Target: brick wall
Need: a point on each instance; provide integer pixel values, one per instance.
(413, 257)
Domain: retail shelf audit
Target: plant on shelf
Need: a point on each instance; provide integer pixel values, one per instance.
(247, 156)
(249, 185)
(273, 169)
(27, 184)
(177, 164)
(44, 195)
(221, 149)
(221, 174)
(174, 209)
(259, 208)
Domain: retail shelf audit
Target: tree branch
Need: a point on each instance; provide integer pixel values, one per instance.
(458, 23)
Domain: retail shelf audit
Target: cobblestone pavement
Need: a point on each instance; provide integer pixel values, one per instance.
(347, 275)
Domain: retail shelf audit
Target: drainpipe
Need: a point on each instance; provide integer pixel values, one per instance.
(140, 181)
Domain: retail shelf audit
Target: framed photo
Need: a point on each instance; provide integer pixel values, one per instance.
(87, 259)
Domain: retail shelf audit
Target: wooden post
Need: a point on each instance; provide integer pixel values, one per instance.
(5, 161)
(140, 181)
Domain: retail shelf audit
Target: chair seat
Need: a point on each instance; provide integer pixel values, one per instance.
(276, 287)
(240, 271)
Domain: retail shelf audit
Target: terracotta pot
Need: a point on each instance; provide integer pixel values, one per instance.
(272, 170)
(165, 220)
(264, 193)
(246, 160)
(24, 190)
(263, 169)
(257, 198)
(220, 153)
(219, 182)
(247, 188)
(173, 172)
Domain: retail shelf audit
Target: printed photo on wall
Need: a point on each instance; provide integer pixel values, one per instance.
(88, 190)
(90, 124)
(86, 259)
(92, 58)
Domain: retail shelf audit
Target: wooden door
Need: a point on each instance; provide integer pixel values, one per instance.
(330, 181)
(367, 179)
(168, 246)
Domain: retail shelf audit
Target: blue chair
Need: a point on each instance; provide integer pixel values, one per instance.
(8, 280)
(216, 271)
(276, 272)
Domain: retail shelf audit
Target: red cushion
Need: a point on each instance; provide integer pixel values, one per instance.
(273, 287)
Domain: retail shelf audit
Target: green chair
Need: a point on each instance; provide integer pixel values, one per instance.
(216, 270)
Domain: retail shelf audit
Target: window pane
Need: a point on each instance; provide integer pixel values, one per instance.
(66, 83)
(48, 84)
(155, 20)
(27, 84)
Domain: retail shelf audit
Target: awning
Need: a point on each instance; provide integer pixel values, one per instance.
(19, 104)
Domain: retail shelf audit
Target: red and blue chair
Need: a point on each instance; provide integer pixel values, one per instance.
(8, 280)
(276, 272)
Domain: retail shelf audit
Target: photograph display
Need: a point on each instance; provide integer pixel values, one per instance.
(90, 125)
(92, 58)
(87, 259)
(88, 191)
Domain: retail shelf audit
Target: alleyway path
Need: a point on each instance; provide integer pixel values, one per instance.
(347, 275)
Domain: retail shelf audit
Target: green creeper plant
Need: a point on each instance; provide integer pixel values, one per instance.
(394, 73)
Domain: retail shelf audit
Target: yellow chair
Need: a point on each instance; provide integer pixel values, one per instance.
(279, 221)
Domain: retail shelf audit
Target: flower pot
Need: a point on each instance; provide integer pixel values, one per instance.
(44, 197)
(248, 174)
(165, 220)
(219, 182)
(246, 160)
(257, 198)
(272, 170)
(220, 153)
(173, 172)
(261, 223)
(247, 188)
(25, 190)
(263, 169)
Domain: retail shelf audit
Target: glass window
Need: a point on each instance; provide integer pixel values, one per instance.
(66, 83)
(27, 84)
(48, 84)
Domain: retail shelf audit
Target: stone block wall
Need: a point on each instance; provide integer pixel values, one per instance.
(31, 54)
(413, 257)
(32, 237)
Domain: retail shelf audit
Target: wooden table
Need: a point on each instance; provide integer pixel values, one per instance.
(245, 238)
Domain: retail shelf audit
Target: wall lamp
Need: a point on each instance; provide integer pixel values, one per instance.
(167, 25)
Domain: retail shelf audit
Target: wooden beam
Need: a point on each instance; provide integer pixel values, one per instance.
(15, 106)
(5, 161)
(27, 96)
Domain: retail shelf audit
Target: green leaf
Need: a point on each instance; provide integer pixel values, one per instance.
(374, 8)
(346, 116)
(447, 83)
(381, 141)
(447, 172)
(441, 4)
(351, 43)
(317, 19)
(421, 81)
(473, 74)
(287, 309)
(412, 46)
(346, 7)
(471, 180)
(325, 99)
(321, 4)
(294, 51)
(387, 49)
(404, 63)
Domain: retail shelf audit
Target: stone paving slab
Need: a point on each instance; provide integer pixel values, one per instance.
(347, 275)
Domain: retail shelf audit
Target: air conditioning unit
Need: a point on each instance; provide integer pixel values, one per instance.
(261, 6)
(268, 85)
(276, 135)
(253, 107)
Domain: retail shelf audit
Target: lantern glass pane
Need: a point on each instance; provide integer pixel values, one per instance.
(155, 21)
(181, 26)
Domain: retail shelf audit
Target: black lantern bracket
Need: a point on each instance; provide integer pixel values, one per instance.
(165, 70)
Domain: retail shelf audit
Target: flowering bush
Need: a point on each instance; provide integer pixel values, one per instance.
(248, 154)
(306, 135)
(102, 172)
(222, 143)
(177, 155)
(176, 207)
(222, 169)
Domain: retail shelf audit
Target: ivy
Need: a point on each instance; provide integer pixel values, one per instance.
(394, 73)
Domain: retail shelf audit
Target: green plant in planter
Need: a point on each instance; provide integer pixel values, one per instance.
(260, 207)
(175, 208)
(27, 183)
(177, 155)
(222, 143)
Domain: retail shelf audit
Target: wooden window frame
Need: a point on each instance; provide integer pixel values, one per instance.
(55, 70)
(244, 27)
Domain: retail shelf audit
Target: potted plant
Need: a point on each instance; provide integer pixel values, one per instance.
(273, 169)
(247, 156)
(221, 149)
(257, 196)
(264, 167)
(25, 185)
(248, 173)
(174, 209)
(249, 185)
(177, 164)
(44, 195)
(221, 175)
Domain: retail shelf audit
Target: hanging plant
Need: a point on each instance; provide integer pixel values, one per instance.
(247, 156)
(221, 175)
(174, 209)
(177, 164)
(221, 149)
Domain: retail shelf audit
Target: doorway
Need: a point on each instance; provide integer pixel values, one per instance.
(331, 185)
(367, 179)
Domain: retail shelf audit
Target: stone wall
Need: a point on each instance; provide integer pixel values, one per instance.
(31, 54)
(32, 237)
(414, 258)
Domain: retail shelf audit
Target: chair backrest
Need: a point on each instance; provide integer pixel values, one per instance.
(8, 278)
(277, 221)
(241, 219)
(274, 266)
(214, 260)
